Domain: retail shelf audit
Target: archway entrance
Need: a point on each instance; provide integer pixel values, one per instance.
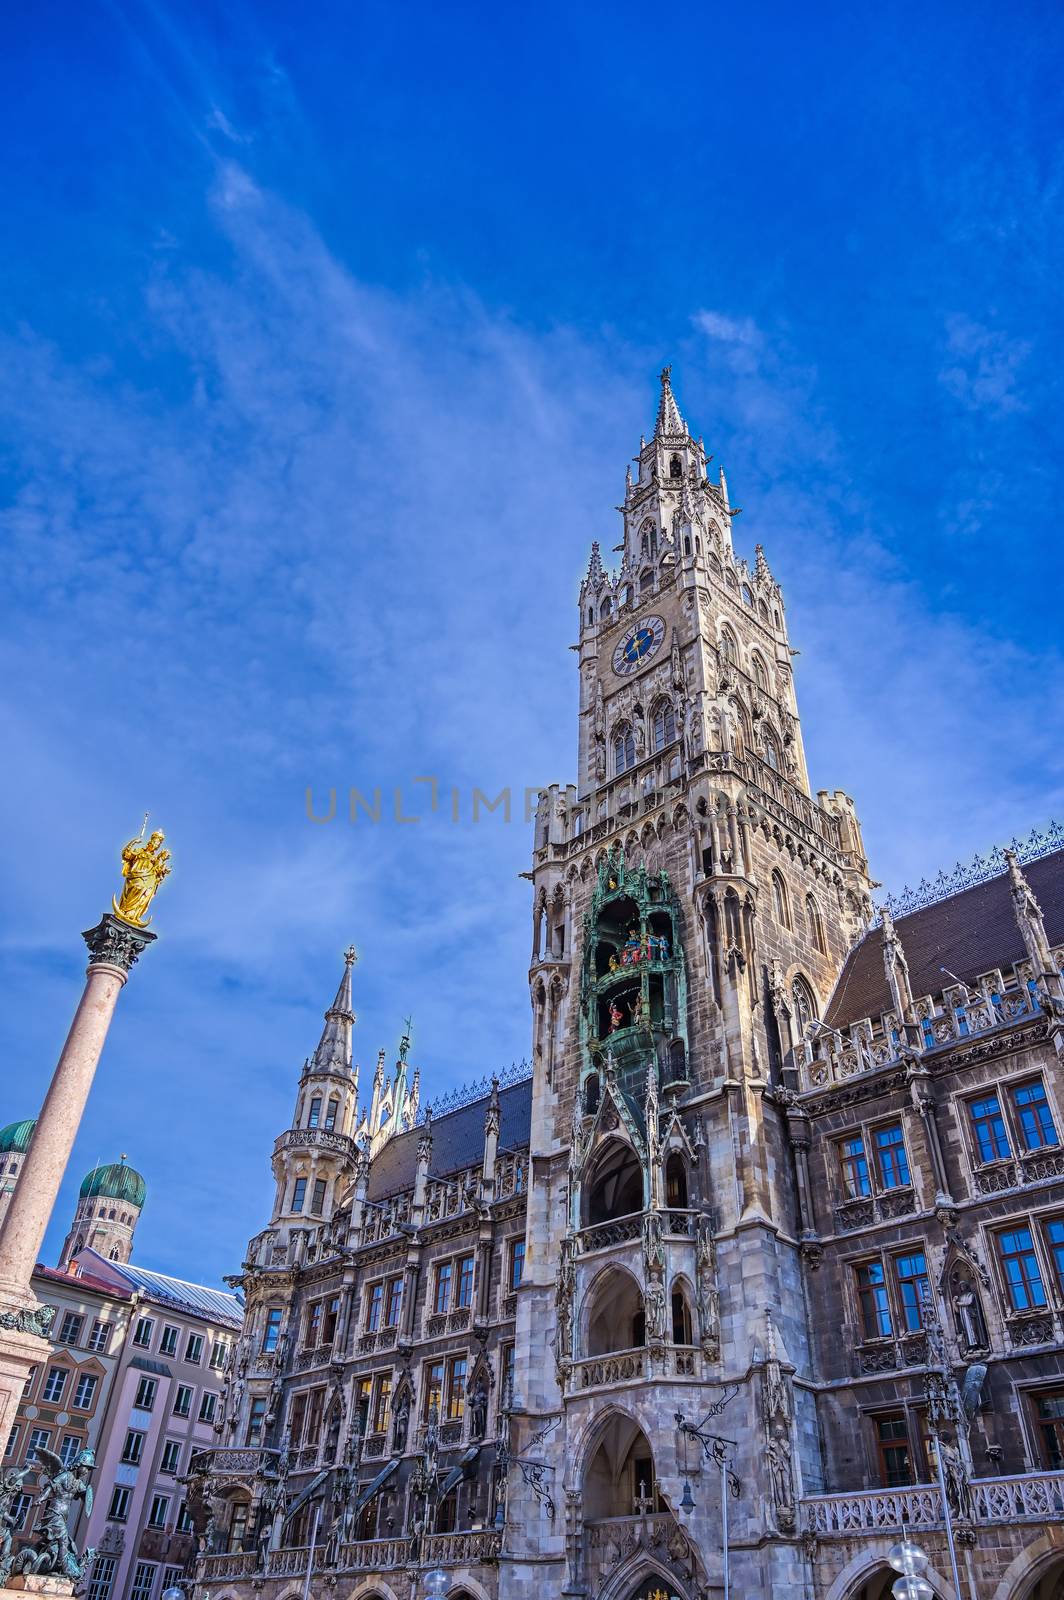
(619, 1477)
(876, 1586)
(615, 1318)
(1049, 1585)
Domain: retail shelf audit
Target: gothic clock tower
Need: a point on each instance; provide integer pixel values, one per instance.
(693, 903)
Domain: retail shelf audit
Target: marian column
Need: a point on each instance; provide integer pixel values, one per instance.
(114, 945)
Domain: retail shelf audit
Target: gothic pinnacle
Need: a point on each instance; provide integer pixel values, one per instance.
(334, 1047)
(669, 418)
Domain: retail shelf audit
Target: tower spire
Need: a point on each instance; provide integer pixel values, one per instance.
(669, 418)
(333, 1053)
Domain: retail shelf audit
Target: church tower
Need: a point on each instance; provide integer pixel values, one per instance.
(693, 903)
(110, 1202)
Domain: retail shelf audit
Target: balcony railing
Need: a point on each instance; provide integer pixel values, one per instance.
(1034, 1497)
(601, 1235)
(621, 1366)
(368, 1555)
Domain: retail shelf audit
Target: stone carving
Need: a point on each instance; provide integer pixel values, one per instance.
(778, 1411)
(400, 1420)
(707, 1297)
(144, 866)
(655, 1313)
(11, 1480)
(967, 1310)
(28, 1319)
(54, 1552)
(115, 943)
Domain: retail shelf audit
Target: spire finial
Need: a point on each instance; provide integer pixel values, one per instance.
(669, 418)
(350, 955)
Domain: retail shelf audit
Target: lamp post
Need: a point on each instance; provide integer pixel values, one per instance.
(716, 1449)
(943, 1405)
(910, 1561)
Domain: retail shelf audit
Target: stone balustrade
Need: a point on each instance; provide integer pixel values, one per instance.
(1034, 1497)
(620, 1366)
(367, 1555)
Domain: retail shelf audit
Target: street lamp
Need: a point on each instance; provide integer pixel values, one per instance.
(436, 1582)
(910, 1561)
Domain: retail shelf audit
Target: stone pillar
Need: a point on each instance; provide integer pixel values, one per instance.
(114, 946)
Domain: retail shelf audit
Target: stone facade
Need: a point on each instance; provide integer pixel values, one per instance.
(771, 1235)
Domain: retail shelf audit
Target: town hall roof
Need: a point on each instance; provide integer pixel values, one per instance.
(968, 933)
(457, 1140)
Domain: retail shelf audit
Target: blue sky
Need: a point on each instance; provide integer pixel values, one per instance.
(328, 332)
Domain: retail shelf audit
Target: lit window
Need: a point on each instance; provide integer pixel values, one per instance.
(891, 1161)
(380, 1403)
(1023, 1277)
(433, 1397)
(875, 1305)
(1035, 1119)
(456, 1380)
(988, 1126)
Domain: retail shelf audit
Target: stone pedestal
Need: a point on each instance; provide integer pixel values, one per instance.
(114, 946)
(37, 1583)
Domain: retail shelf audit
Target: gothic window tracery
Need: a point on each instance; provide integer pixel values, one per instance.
(771, 750)
(664, 724)
(728, 647)
(675, 467)
(623, 748)
(805, 1008)
(780, 902)
(760, 671)
(816, 924)
(748, 596)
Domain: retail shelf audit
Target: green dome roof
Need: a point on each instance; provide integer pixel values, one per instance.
(16, 1137)
(115, 1181)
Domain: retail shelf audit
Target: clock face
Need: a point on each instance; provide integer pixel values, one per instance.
(641, 641)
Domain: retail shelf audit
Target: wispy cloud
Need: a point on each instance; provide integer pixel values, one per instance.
(983, 367)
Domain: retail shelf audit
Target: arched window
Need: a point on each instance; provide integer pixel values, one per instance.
(780, 903)
(591, 1094)
(816, 924)
(590, 616)
(675, 467)
(664, 721)
(626, 595)
(687, 544)
(681, 1318)
(804, 1004)
(748, 596)
(623, 749)
(760, 671)
(646, 581)
(728, 648)
(605, 611)
(771, 750)
(648, 538)
(715, 567)
(762, 611)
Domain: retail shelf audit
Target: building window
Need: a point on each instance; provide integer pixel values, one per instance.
(12, 1440)
(1048, 1410)
(28, 1385)
(509, 1368)
(664, 724)
(892, 1166)
(874, 1301)
(395, 1303)
(780, 904)
(171, 1458)
(381, 1400)
(143, 1331)
(623, 749)
(256, 1419)
(100, 1337)
(85, 1393)
(332, 1111)
(182, 1400)
(374, 1301)
(314, 1114)
(517, 1262)
(70, 1331)
(816, 925)
(464, 1290)
(910, 1272)
(40, 1439)
(892, 1443)
(160, 1505)
(184, 1521)
(208, 1406)
(170, 1576)
(804, 1005)
(771, 751)
(272, 1331)
(143, 1580)
(19, 1509)
(133, 1448)
(72, 1443)
(853, 1164)
(1019, 1263)
(102, 1578)
(299, 1194)
(219, 1351)
(728, 648)
(456, 1381)
(168, 1342)
(145, 1396)
(988, 1128)
(194, 1348)
(118, 1510)
(760, 671)
(1033, 1116)
(313, 1328)
(442, 1299)
(317, 1203)
(54, 1384)
(433, 1396)
(1054, 1235)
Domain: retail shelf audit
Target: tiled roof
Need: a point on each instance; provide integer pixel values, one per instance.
(968, 933)
(457, 1141)
(83, 1280)
(193, 1298)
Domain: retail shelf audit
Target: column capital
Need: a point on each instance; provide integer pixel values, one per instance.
(115, 943)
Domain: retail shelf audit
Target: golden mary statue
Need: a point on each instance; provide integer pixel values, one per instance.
(144, 866)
